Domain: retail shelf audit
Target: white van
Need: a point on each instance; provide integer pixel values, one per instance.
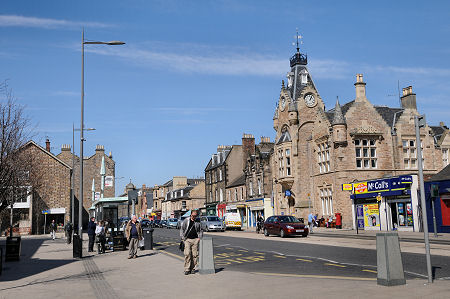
(233, 221)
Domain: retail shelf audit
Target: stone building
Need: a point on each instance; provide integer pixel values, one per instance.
(236, 195)
(92, 168)
(259, 180)
(317, 151)
(182, 194)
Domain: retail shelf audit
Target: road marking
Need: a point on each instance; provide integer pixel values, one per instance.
(229, 248)
(242, 250)
(334, 265)
(280, 256)
(314, 276)
(303, 260)
(371, 271)
(258, 252)
(171, 254)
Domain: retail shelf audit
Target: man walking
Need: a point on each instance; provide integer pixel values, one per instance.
(134, 234)
(53, 228)
(91, 234)
(190, 234)
(311, 222)
(69, 230)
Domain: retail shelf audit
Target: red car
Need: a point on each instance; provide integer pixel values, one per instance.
(284, 226)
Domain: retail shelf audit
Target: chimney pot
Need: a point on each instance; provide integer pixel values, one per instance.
(47, 144)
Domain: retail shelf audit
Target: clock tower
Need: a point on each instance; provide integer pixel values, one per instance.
(298, 107)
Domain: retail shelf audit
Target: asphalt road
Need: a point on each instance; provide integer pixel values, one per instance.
(280, 257)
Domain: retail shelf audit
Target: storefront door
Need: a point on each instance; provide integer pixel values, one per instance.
(402, 214)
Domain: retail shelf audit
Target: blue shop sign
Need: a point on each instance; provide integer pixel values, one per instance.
(379, 185)
(287, 193)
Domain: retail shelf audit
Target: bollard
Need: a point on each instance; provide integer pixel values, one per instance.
(389, 260)
(77, 246)
(206, 263)
(148, 238)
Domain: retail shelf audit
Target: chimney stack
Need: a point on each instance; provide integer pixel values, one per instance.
(408, 98)
(100, 148)
(265, 139)
(248, 146)
(47, 145)
(360, 87)
(65, 147)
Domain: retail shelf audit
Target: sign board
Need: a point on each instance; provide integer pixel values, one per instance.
(347, 187)
(371, 215)
(360, 188)
(378, 185)
(45, 212)
(109, 181)
(287, 193)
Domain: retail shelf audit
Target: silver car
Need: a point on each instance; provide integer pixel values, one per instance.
(212, 223)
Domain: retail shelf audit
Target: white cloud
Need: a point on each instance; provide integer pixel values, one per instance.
(22, 21)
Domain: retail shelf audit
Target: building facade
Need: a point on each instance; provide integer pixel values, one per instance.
(182, 194)
(317, 151)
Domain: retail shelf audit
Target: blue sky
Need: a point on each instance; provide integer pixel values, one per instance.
(196, 74)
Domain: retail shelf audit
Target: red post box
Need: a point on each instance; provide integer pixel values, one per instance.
(338, 220)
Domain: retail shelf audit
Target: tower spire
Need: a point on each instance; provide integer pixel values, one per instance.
(298, 58)
(338, 118)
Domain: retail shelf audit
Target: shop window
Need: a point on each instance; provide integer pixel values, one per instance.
(366, 153)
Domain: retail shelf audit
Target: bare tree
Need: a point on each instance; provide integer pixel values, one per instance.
(15, 165)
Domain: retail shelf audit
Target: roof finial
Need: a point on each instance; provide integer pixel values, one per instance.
(338, 117)
(298, 40)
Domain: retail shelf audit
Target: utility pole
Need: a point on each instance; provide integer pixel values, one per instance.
(419, 122)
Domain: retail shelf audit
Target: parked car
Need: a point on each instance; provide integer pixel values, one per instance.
(172, 223)
(233, 221)
(164, 223)
(284, 226)
(157, 223)
(212, 223)
(145, 223)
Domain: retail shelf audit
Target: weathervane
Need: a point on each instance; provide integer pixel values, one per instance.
(298, 40)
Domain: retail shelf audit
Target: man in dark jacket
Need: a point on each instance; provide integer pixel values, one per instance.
(69, 230)
(91, 233)
(133, 234)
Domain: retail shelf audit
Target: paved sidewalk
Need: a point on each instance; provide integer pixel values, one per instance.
(50, 271)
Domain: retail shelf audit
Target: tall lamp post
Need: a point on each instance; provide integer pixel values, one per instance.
(72, 178)
(84, 42)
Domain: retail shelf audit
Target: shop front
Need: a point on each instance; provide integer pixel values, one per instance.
(255, 208)
(211, 209)
(221, 210)
(437, 196)
(386, 204)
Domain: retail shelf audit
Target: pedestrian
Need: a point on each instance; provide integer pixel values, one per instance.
(134, 234)
(91, 234)
(53, 229)
(101, 237)
(311, 222)
(190, 234)
(69, 229)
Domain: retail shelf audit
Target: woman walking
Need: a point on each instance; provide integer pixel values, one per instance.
(101, 236)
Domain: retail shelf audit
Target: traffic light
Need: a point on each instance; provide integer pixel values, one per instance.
(421, 121)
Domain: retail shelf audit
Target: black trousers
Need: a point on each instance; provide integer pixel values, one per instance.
(69, 237)
(91, 243)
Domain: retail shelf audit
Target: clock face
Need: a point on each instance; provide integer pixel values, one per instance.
(310, 100)
(283, 103)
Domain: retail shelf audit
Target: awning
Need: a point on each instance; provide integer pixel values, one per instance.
(187, 214)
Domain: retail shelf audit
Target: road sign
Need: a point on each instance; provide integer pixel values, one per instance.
(45, 212)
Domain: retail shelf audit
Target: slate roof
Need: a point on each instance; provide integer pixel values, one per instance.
(237, 182)
(443, 175)
(437, 130)
(387, 113)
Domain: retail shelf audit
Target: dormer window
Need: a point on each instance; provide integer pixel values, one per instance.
(304, 77)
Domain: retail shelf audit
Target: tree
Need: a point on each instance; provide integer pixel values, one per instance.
(15, 166)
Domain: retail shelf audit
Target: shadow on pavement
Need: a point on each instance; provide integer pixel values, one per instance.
(28, 266)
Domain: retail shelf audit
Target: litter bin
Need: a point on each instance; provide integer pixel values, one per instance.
(77, 246)
(338, 220)
(12, 252)
(148, 238)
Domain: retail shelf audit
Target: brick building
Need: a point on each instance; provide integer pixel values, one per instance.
(182, 194)
(317, 151)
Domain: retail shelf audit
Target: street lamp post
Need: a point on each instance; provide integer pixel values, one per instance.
(72, 177)
(80, 206)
